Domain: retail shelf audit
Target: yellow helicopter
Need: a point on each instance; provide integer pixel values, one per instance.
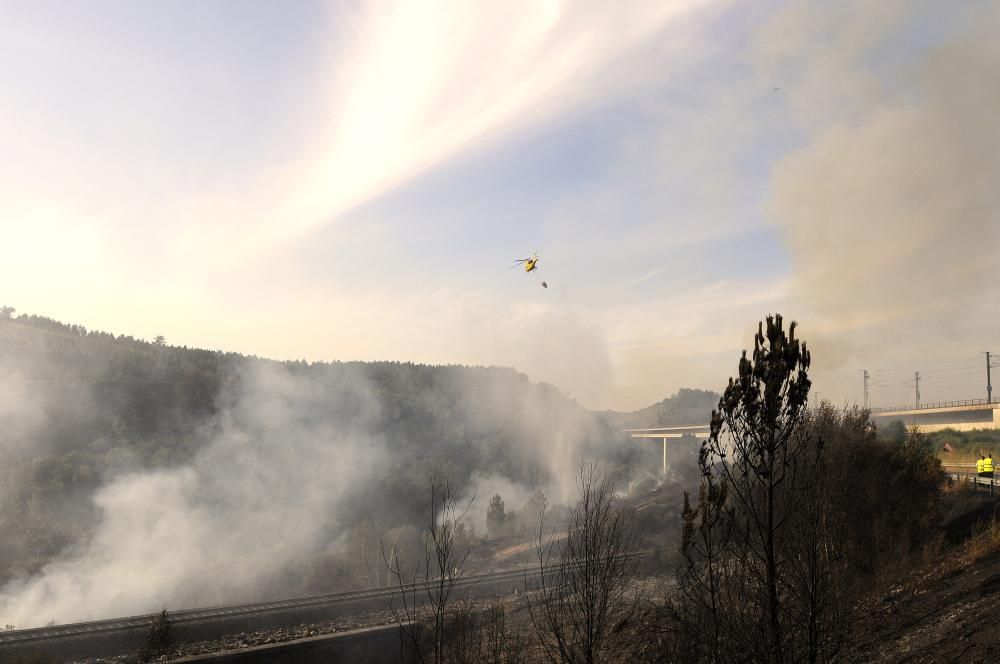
(530, 265)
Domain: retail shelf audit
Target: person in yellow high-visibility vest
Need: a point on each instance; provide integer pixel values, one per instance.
(979, 465)
(988, 465)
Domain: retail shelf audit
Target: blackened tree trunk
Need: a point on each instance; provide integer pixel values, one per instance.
(751, 448)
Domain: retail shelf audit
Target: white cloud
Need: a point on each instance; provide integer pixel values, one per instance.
(420, 82)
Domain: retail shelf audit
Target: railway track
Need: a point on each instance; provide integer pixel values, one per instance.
(37, 634)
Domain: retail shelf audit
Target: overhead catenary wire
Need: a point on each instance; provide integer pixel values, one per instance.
(935, 376)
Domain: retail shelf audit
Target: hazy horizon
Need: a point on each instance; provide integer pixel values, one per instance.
(326, 181)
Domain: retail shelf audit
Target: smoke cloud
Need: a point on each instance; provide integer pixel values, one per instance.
(890, 209)
(295, 457)
(261, 494)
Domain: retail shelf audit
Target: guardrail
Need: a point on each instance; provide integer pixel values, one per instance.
(939, 404)
(971, 478)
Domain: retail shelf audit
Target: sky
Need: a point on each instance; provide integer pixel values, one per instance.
(352, 180)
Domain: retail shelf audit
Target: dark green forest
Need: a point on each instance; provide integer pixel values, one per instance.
(82, 407)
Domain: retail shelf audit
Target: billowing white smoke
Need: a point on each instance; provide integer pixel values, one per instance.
(278, 481)
(251, 501)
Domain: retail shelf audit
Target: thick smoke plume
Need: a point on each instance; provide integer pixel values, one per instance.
(890, 210)
(256, 498)
(294, 461)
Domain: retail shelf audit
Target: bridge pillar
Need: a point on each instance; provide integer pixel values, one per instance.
(664, 456)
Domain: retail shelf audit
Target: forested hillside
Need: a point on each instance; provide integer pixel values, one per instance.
(82, 413)
(686, 407)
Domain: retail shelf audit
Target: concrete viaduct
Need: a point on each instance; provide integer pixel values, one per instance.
(666, 433)
(959, 415)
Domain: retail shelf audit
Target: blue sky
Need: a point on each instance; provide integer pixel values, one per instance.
(352, 181)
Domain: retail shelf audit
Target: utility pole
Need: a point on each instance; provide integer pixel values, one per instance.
(989, 384)
(866, 376)
(916, 379)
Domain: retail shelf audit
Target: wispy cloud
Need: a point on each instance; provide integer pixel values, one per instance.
(646, 277)
(417, 83)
